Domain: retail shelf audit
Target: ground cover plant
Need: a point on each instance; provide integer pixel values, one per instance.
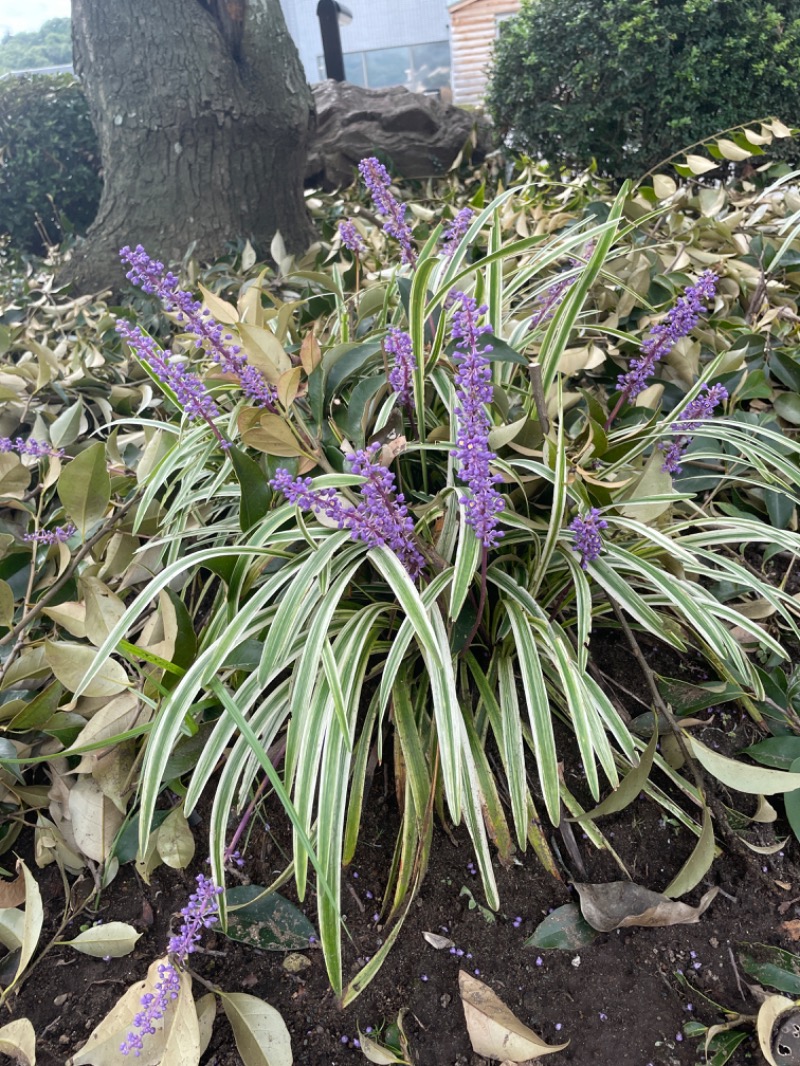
(372, 507)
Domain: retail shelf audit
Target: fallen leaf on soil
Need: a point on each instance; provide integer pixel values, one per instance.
(262, 1038)
(766, 849)
(765, 812)
(113, 939)
(175, 840)
(375, 1052)
(102, 1047)
(619, 904)
(12, 893)
(437, 941)
(698, 864)
(494, 1030)
(95, 819)
(792, 928)
(564, 929)
(740, 776)
(295, 962)
(768, 1015)
(32, 920)
(206, 1013)
(18, 1041)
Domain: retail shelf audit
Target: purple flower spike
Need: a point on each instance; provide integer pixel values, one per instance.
(379, 519)
(401, 376)
(549, 300)
(700, 409)
(201, 912)
(455, 230)
(587, 536)
(150, 276)
(377, 180)
(59, 535)
(35, 448)
(680, 322)
(154, 1007)
(188, 388)
(473, 382)
(351, 238)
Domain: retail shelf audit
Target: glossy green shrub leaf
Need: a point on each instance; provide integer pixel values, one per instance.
(266, 920)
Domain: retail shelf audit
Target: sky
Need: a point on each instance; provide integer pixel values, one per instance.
(18, 15)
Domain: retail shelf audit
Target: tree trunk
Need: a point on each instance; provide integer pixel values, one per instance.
(202, 112)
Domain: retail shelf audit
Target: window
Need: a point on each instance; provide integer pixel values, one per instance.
(420, 67)
(500, 19)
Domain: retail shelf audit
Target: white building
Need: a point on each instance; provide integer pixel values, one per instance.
(389, 42)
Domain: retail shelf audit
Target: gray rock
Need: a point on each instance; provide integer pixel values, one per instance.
(421, 135)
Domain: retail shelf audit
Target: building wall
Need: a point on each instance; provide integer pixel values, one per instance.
(474, 29)
(376, 25)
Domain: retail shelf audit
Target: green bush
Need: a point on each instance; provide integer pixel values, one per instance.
(49, 160)
(50, 45)
(629, 82)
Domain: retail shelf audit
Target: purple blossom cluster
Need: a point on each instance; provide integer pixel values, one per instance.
(377, 180)
(455, 230)
(549, 300)
(154, 1007)
(201, 912)
(473, 381)
(351, 238)
(679, 322)
(189, 390)
(701, 408)
(401, 376)
(35, 448)
(380, 518)
(150, 275)
(59, 535)
(587, 535)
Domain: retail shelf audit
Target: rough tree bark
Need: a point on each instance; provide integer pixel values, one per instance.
(202, 113)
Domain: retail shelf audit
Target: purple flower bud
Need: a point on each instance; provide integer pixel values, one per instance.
(59, 535)
(554, 294)
(679, 322)
(473, 382)
(377, 180)
(150, 276)
(700, 409)
(188, 388)
(587, 535)
(455, 230)
(351, 238)
(401, 376)
(34, 448)
(379, 519)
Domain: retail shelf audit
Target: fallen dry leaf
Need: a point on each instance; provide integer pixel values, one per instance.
(494, 1030)
(769, 1016)
(437, 941)
(792, 928)
(622, 903)
(12, 893)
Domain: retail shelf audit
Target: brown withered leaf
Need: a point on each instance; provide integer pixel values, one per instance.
(494, 1031)
(792, 928)
(12, 893)
(622, 903)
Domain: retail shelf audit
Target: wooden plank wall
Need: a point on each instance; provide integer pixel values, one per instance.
(473, 31)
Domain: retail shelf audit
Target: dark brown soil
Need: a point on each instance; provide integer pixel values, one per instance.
(618, 1001)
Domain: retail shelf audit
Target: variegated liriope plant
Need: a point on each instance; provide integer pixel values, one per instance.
(408, 531)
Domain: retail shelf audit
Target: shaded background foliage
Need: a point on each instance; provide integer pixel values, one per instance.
(50, 45)
(630, 82)
(49, 162)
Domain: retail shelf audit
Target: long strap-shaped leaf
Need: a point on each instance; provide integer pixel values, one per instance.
(566, 315)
